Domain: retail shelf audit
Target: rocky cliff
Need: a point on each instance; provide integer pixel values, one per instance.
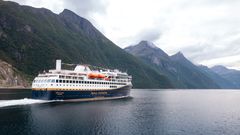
(11, 77)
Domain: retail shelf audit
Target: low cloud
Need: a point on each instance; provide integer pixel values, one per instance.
(86, 8)
(204, 30)
(149, 34)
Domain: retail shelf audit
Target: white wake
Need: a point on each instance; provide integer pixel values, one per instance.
(25, 101)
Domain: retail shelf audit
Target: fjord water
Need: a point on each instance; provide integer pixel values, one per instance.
(165, 112)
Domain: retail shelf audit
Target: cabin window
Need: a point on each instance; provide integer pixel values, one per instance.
(63, 81)
(57, 81)
(60, 81)
(70, 81)
(67, 81)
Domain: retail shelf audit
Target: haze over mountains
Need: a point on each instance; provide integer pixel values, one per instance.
(31, 39)
(182, 72)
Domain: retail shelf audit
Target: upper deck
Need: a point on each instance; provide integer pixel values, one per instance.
(81, 76)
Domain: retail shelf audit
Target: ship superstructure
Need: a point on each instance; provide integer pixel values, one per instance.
(81, 83)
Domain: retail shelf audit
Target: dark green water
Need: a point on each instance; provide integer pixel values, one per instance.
(148, 112)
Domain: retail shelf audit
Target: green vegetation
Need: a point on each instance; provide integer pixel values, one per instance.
(32, 39)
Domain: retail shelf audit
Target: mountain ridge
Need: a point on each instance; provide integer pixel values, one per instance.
(182, 72)
(230, 75)
(33, 38)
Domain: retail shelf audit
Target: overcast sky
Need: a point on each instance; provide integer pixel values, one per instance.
(206, 31)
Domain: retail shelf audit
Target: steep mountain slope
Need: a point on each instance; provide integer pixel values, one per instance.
(221, 81)
(231, 75)
(190, 74)
(31, 39)
(181, 72)
(156, 58)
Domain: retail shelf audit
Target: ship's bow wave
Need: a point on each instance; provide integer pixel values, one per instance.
(25, 101)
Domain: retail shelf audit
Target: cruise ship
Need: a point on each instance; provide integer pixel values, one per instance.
(83, 83)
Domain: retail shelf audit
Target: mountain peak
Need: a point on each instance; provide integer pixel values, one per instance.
(149, 51)
(67, 12)
(147, 43)
(80, 24)
(220, 69)
(178, 55)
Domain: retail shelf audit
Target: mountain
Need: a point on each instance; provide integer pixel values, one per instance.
(191, 75)
(149, 53)
(220, 80)
(31, 39)
(181, 72)
(157, 58)
(231, 75)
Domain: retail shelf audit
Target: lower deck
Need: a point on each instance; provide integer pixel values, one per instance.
(80, 94)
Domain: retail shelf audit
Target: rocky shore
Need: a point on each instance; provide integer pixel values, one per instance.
(10, 77)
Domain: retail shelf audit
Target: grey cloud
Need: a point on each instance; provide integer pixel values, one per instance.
(212, 23)
(22, 2)
(151, 34)
(192, 3)
(85, 8)
(201, 52)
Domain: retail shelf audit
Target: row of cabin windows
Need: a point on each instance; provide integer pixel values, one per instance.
(83, 85)
(70, 77)
(74, 81)
(87, 82)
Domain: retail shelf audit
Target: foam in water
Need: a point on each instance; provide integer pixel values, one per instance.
(25, 101)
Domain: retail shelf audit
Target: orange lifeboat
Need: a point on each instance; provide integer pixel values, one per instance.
(101, 76)
(92, 75)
